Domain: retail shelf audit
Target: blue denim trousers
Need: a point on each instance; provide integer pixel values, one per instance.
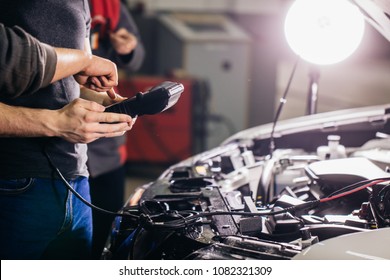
(42, 219)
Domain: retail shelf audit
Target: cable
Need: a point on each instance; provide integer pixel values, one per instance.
(283, 101)
(69, 187)
(354, 185)
(180, 220)
(355, 188)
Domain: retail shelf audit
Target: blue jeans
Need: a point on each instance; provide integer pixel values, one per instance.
(42, 219)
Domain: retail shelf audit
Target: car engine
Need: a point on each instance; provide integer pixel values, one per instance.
(327, 178)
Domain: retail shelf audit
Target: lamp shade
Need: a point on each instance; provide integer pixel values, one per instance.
(324, 31)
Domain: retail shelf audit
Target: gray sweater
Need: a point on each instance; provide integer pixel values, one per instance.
(25, 63)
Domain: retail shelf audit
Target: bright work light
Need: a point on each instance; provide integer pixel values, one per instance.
(324, 31)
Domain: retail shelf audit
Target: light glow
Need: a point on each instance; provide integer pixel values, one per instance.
(324, 31)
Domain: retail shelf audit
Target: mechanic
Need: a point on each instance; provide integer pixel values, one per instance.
(46, 129)
(114, 35)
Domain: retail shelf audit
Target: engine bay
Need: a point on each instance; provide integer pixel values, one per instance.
(241, 201)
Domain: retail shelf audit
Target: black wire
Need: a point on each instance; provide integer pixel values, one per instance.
(355, 185)
(185, 221)
(69, 187)
(283, 101)
(194, 219)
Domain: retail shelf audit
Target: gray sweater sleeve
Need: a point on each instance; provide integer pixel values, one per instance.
(25, 63)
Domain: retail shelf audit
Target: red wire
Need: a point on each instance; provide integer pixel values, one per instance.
(351, 191)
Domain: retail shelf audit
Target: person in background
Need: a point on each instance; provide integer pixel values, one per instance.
(114, 35)
(45, 128)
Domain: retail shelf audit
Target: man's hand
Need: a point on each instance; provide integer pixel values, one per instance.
(83, 121)
(91, 71)
(100, 75)
(100, 97)
(123, 41)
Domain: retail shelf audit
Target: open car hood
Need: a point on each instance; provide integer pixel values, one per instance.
(377, 13)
